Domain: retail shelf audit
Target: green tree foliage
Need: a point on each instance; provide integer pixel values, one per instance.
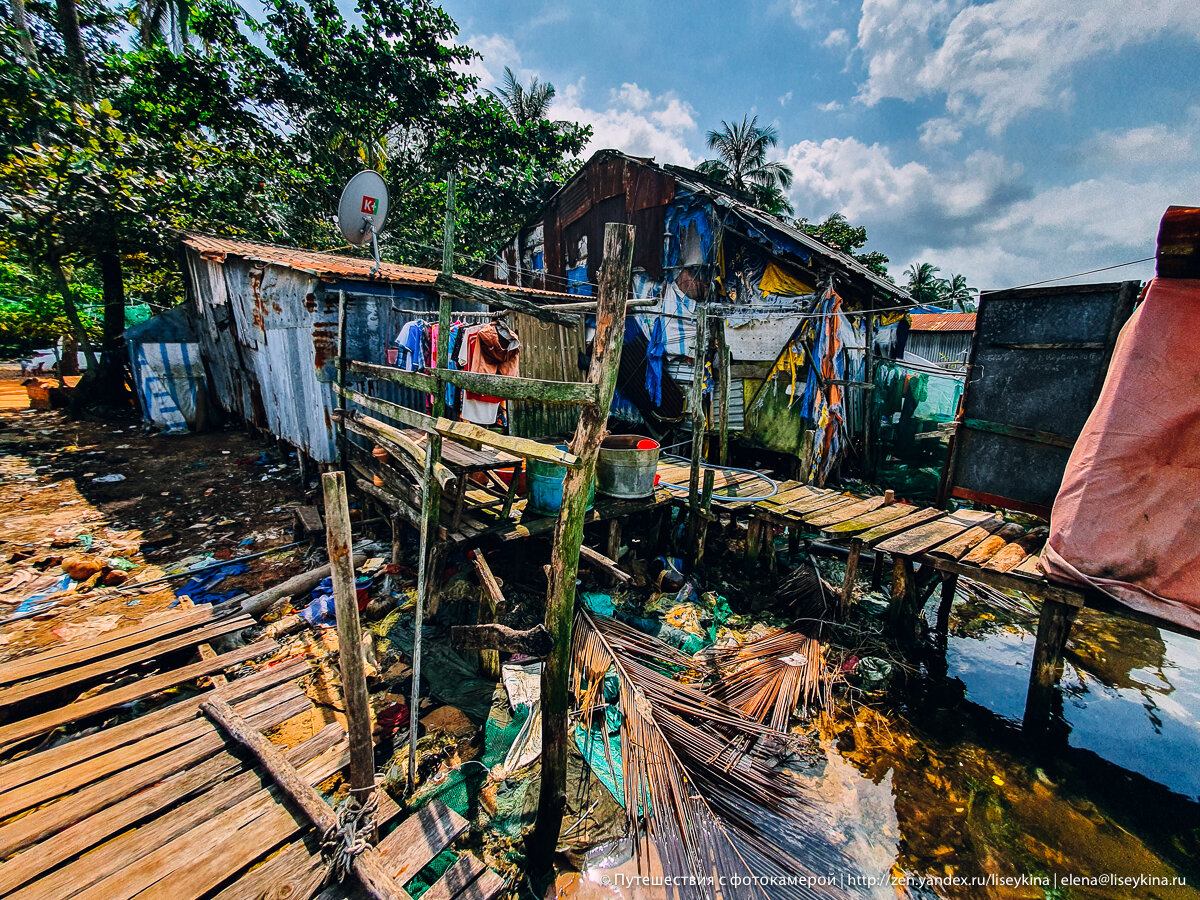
(927, 288)
(120, 125)
(850, 239)
(742, 164)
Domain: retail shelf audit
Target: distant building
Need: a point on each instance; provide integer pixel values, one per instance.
(942, 338)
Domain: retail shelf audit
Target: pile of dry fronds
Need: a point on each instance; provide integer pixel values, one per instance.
(699, 783)
(768, 678)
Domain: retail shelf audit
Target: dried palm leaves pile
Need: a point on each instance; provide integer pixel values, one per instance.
(769, 678)
(699, 779)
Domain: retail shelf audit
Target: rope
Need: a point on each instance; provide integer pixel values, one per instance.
(348, 838)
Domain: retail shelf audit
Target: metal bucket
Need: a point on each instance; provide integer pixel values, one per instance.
(545, 483)
(623, 469)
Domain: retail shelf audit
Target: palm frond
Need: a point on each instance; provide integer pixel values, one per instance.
(700, 783)
(769, 678)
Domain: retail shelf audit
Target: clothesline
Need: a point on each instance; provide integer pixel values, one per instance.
(463, 314)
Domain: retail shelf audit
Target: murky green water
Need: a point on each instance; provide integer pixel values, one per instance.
(949, 785)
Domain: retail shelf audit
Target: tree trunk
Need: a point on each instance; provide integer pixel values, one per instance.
(68, 296)
(614, 278)
(21, 24)
(68, 26)
(114, 302)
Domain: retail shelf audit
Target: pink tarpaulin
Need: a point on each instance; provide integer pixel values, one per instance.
(1127, 517)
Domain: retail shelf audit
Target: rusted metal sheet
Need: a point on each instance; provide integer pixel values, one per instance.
(1037, 365)
(961, 321)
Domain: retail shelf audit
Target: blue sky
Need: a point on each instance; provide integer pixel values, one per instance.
(1012, 141)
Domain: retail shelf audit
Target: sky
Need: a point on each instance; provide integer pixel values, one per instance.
(1011, 141)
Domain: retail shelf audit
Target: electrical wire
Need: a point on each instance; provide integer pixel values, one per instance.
(1080, 274)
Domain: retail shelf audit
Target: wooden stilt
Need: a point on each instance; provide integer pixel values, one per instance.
(614, 546)
(490, 601)
(1054, 627)
(848, 581)
(722, 393)
(696, 409)
(754, 536)
(904, 595)
(345, 597)
(701, 530)
(877, 572)
(949, 583)
(615, 273)
(367, 865)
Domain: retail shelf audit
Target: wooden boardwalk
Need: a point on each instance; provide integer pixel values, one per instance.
(161, 805)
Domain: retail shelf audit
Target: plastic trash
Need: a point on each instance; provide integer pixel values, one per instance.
(108, 479)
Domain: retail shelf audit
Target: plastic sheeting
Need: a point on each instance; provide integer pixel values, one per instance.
(170, 380)
(1126, 516)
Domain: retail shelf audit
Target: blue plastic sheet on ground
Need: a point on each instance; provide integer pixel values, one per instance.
(321, 610)
(601, 604)
(34, 602)
(200, 588)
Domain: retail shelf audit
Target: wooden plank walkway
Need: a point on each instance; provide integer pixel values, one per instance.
(162, 805)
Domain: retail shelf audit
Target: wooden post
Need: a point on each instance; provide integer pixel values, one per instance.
(431, 494)
(614, 546)
(851, 574)
(615, 274)
(868, 395)
(368, 865)
(949, 583)
(701, 530)
(696, 408)
(754, 537)
(904, 595)
(345, 598)
(1054, 627)
(723, 362)
(343, 452)
(490, 601)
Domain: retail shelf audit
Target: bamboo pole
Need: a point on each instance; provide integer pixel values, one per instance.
(696, 407)
(615, 274)
(368, 865)
(723, 362)
(345, 598)
(490, 601)
(341, 380)
(431, 494)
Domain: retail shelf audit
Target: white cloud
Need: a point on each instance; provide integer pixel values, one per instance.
(635, 121)
(996, 60)
(496, 52)
(1149, 144)
(938, 132)
(831, 106)
(785, 99)
(836, 38)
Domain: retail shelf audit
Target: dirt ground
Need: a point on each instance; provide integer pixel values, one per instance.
(183, 501)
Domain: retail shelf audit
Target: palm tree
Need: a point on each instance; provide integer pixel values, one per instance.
(162, 20)
(742, 163)
(924, 285)
(525, 104)
(958, 292)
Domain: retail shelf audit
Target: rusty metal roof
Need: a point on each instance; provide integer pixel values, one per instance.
(943, 322)
(332, 266)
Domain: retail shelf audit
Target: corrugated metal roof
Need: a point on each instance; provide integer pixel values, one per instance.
(959, 321)
(335, 266)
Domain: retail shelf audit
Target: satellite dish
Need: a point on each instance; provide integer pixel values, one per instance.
(362, 209)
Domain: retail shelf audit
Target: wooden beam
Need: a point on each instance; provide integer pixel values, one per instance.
(614, 280)
(510, 387)
(723, 361)
(604, 563)
(1054, 627)
(418, 381)
(367, 865)
(533, 641)
(506, 299)
(350, 661)
(259, 603)
(490, 602)
(400, 443)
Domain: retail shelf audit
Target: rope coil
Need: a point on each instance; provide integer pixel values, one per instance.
(349, 837)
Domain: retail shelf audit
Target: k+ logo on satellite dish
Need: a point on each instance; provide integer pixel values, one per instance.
(368, 205)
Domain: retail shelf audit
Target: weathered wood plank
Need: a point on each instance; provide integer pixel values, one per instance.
(842, 513)
(75, 653)
(109, 665)
(993, 544)
(418, 381)
(1031, 566)
(197, 860)
(924, 537)
(418, 839)
(38, 765)
(797, 508)
(858, 524)
(48, 820)
(511, 387)
(219, 773)
(895, 526)
(958, 546)
(533, 641)
(397, 443)
(1013, 554)
(487, 886)
(73, 712)
(456, 878)
(803, 491)
(43, 790)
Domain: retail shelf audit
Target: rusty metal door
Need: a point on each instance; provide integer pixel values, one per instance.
(1038, 361)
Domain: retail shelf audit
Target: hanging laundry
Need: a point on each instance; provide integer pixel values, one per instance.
(491, 349)
(656, 352)
(411, 343)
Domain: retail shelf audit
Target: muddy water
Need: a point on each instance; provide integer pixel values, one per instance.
(943, 782)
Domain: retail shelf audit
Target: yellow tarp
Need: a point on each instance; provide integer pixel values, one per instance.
(776, 280)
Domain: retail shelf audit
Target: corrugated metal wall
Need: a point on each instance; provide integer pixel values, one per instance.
(550, 352)
(946, 348)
